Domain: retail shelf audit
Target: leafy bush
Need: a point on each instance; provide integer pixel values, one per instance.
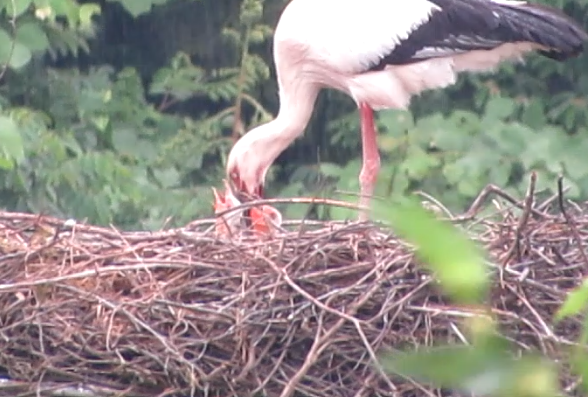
(107, 125)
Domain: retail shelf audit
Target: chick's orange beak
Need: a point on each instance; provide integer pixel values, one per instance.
(264, 219)
(219, 201)
(220, 205)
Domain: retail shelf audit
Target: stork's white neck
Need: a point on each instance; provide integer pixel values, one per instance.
(255, 152)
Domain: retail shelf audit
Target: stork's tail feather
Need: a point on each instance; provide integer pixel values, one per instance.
(559, 35)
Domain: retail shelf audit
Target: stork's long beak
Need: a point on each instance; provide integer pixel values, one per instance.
(263, 219)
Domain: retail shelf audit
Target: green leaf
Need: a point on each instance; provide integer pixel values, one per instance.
(454, 259)
(168, 177)
(454, 172)
(534, 114)
(575, 303)
(470, 171)
(100, 122)
(579, 364)
(469, 187)
(20, 55)
(14, 8)
(510, 138)
(475, 369)
(480, 370)
(397, 122)
(11, 145)
(418, 162)
(67, 8)
(573, 155)
(330, 169)
(134, 7)
(127, 142)
(400, 183)
(499, 108)
(86, 12)
(501, 172)
(182, 80)
(33, 36)
(452, 139)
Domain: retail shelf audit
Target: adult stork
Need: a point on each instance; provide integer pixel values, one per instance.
(382, 53)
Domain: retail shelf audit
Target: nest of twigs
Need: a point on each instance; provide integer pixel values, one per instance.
(94, 310)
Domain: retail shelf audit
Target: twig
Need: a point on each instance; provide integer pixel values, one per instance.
(484, 194)
(570, 221)
(294, 200)
(527, 209)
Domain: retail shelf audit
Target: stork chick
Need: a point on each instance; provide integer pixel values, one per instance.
(263, 220)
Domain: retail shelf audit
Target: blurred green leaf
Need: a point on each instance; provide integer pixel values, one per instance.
(14, 8)
(330, 169)
(534, 114)
(579, 364)
(32, 36)
(499, 108)
(136, 8)
(575, 303)
(454, 259)
(396, 122)
(86, 12)
(418, 162)
(500, 173)
(16, 57)
(182, 80)
(11, 145)
(168, 177)
(67, 8)
(477, 370)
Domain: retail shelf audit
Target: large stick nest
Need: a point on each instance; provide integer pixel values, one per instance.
(181, 312)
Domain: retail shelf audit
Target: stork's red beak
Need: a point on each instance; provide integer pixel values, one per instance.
(263, 219)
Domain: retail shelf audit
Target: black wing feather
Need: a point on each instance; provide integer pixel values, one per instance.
(465, 25)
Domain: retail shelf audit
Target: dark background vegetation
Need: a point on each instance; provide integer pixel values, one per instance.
(124, 111)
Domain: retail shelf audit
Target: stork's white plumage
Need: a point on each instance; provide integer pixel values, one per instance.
(382, 53)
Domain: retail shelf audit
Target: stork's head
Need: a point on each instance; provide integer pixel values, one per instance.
(247, 166)
(262, 220)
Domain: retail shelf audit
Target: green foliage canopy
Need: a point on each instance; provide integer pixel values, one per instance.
(124, 111)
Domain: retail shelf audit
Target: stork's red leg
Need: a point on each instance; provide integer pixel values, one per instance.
(371, 157)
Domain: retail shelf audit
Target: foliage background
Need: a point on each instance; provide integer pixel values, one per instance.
(123, 112)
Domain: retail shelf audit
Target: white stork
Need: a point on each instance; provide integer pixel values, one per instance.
(382, 53)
